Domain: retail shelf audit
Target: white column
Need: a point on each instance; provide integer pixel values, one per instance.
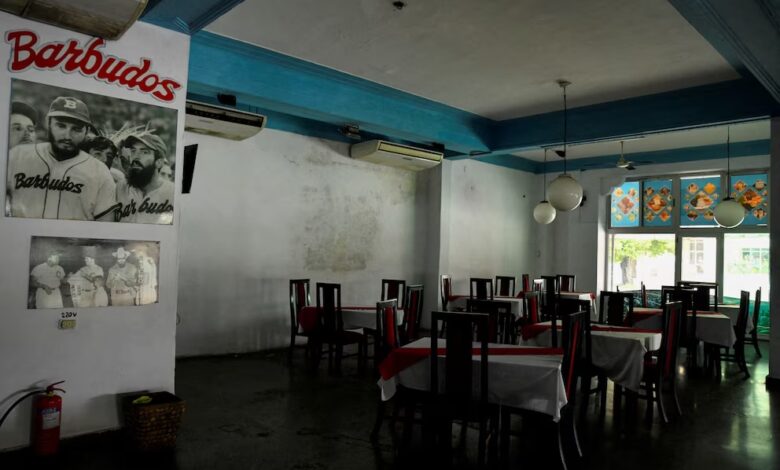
(774, 243)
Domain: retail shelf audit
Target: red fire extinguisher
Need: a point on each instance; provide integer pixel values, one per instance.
(45, 430)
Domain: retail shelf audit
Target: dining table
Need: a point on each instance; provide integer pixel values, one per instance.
(711, 327)
(516, 304)
(617, 350)
(354, 317)
(525, 377)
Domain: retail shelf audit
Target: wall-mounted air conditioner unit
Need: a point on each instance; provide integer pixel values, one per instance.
(222, 122)
(397, 155)
(108, 19)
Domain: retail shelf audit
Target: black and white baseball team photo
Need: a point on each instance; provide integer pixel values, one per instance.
(85, 272)
(81, 156)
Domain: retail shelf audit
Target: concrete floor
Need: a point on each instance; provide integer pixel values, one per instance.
(255, 412)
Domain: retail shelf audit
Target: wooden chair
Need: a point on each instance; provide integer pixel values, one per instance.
(738, 356)
(566, 282)
(661, 366)
(460, 399)
(525, 280)
(705, 297)
(331, 329)
(387, 340)
(501, 328)
(574, 341)
(688, 336)
(393, 289)
(299, 297)
(445, 290)
(505, 286)
(752, 336)
(616, 308)
(413, 310)
(481, 288)
(531, 303)
(643, 295)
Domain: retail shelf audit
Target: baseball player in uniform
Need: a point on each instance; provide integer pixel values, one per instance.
(87, 283)
(103, 149)
(24, 120)
(146, 196)
(122, 279)
(47, 277)
(56, 180)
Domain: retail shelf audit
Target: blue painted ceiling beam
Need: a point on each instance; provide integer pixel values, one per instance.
(745, 32)
(729, 101)
(272, 81)
(186, 16)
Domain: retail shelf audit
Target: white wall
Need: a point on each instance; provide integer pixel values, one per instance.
(579, 236)
(281, 206)
(112, 350)
(490, 230)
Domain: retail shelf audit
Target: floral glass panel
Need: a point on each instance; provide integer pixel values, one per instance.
(624, 205)
(700, 195)
(658, 203)
(752, 191)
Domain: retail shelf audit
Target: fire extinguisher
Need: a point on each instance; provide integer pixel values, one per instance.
(45, 430)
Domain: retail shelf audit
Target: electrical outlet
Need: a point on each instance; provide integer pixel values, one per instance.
(67, 324)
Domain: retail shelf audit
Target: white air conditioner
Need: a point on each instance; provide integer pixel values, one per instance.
(108, 19)
(222, 122)
(397, 155)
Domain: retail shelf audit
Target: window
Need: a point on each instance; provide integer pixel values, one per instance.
(643, 257)
(699, 256)
(746, 267)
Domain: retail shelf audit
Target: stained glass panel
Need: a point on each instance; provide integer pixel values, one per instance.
(658, 203)
(700, 195)
(624, 205)
(752, 191)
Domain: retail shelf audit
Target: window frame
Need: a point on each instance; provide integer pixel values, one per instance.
(679, 231)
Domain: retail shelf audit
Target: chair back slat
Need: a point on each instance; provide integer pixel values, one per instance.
(299, 298)
(387, 328)
(744, 311)
(616, 308)
(329, 307)
(756, 310)
(673, 319)
(413, 311)
(481, 288)
(573, 339)
(643, 294)
(566, 282)
(525, 279)
(393, 289)
(459, 389)
(445, 287)
(505, 286)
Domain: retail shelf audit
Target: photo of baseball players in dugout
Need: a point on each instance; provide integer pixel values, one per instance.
(85, 272)
(81, 156)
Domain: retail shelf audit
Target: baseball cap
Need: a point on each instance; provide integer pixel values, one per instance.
(152, 141)
(69, 107)
(18, 107)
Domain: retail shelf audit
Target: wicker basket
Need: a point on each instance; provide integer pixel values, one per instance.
(153, 425)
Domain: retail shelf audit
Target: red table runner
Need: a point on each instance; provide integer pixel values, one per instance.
(401, 358)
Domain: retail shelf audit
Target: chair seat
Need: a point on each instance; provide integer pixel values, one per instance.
(345, 337)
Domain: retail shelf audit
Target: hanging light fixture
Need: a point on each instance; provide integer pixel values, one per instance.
(544, 212)
(565, 191)
(729, 213)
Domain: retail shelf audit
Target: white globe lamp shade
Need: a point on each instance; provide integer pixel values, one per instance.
(729, 213)
(544, 213)
(564, 193)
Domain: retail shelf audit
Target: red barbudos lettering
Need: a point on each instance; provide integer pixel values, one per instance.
(89, 61)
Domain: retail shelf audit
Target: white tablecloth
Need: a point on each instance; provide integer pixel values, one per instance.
(527, 382)
(460, 302)
(364, 318)
(619, 354)
(714, 329)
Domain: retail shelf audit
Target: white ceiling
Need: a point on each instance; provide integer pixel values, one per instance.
(497, 58)
(742, 132)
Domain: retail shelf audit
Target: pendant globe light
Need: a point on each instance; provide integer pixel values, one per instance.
(729, 213)
(544, 212)
(565, 192)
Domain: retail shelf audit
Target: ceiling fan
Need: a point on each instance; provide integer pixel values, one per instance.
(622, 162)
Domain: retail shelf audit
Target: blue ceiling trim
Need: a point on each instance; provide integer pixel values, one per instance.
(186, 16)
(745, 32)
(729, 101)
(507, 161)
(272, 81)
(658, 157)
